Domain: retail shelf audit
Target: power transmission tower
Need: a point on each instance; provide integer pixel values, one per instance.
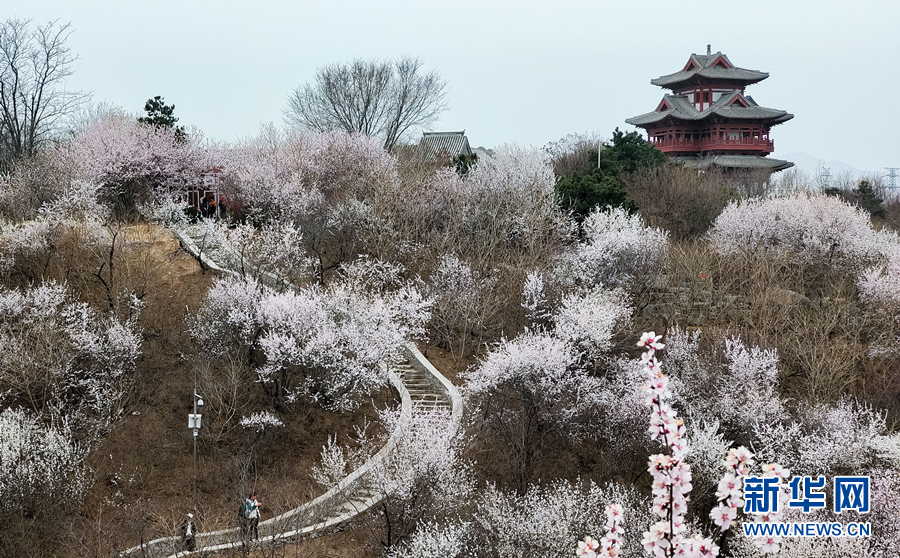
(892, 174)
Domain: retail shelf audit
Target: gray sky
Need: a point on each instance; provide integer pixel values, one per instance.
(518, 71)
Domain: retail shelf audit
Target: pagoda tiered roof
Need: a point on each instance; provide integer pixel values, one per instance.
(733, 105)
(709, 68)
(746, 162)
(709, 121)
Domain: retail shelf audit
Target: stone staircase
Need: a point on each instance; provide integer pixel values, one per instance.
(420, 386)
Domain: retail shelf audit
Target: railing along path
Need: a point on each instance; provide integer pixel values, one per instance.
(420, 385)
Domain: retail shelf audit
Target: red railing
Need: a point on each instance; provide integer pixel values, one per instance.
(714, 144)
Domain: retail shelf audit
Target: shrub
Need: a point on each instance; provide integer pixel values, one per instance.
(34, 182)
(618, 251)
(295, 178)
(40, 467)
(64, 360)
(880, 285)
(812, 230)
(323, 343)
(424, 476)
(543, 521)
(824, 438)
(42, 479)
(574, 154)
(733, 383)
(464, 309)
(677, 199)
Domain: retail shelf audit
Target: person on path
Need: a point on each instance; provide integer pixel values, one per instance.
(188, 533)
(253, 516)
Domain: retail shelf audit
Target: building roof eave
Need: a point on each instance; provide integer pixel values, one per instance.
(453, 144)
(704, 68)
(748, 162)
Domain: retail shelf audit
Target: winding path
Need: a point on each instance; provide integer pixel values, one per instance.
(420, 385)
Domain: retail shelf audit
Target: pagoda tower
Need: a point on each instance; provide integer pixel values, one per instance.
(709, 121)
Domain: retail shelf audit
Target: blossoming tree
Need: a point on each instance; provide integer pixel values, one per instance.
(325, 343)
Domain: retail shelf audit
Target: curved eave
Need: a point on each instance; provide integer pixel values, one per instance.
(769, 116)
(729, 76)
(651, 118)
(748, 113)
(783, 119)
(746, 162)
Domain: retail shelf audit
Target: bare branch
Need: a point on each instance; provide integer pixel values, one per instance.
(387, 99)
(33, 67)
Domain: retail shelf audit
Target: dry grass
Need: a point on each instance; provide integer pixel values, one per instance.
(811, 316)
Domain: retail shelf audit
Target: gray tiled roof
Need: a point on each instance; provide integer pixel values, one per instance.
(736, 162)
(452, 144)
(683, 109)
(704, 71)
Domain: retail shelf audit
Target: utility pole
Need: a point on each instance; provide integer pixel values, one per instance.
(194, 424)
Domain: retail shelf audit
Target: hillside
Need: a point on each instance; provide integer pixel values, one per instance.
(778, 316)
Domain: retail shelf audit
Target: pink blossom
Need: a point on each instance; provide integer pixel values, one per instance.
(587, 547)
(671, 476)
(775, 470)
(729, 487)
(723, 515)
(651, 341)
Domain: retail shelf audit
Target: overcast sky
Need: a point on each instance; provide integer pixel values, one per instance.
(518, 71)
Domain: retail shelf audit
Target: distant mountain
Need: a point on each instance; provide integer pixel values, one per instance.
(813, 166)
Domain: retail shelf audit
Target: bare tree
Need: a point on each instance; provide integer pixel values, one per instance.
(387, 99)
(34, 64)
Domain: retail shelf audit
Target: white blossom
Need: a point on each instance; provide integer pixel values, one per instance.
(809, 229)
(332, 465)
(38, 465)
(618, 250)
(323, 342)
(431, 540)
(544, 521)
(534, 300)
(260, 421)
(881, 284)
(742, 391)
(58, 356)
(588, 320)
(824, 438)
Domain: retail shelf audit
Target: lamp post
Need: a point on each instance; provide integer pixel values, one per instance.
(194, 424)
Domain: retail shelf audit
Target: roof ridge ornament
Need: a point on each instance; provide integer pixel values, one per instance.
(708, 50)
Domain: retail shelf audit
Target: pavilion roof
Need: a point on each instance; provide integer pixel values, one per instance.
(732, 105)
(452, 144)
(710, 67)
